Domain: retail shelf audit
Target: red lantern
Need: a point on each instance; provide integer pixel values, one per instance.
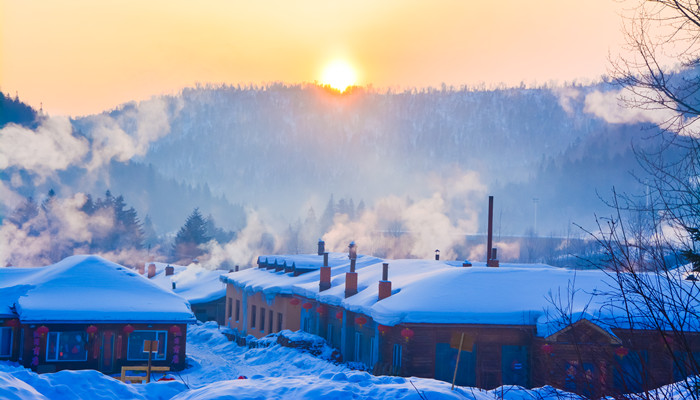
(360, 320)
(383, 329)
(42, 330)
(339, 315)
(92, 329)
(128, 329)
(307, 306)
(322, 309)
(407, 333)
(13, 323)
(621, 351)
(547, 348)
(175, 330)
(294, 301)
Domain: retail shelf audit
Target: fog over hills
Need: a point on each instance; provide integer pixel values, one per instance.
(420, 162)
(286, 148)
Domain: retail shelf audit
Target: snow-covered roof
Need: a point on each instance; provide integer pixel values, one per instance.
(194, 283)
(87, 288)
(428, 291)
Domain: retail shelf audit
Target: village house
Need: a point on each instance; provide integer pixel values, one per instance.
(507, 324)
(85, 312)
(200, 286)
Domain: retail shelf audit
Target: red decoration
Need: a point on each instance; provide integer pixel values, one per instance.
(175, 330)
(128, 329)
(307, 306)
(322, 309)
(383, 329)
(621, 351)
(294, 301)
(92, 329)
(339, 315)
(407, 333)
(547, 348)
(360, 320)
(42, 330)
(12, 323)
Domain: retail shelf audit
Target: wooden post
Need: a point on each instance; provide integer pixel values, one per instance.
(150, 346)
(459, 353)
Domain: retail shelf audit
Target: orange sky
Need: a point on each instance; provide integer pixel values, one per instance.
(79, 57)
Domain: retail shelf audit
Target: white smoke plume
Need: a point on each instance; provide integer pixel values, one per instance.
(611, 107)
(255, 239)
(400, 228)
(49, 148)
(567, 95)
(110, 140)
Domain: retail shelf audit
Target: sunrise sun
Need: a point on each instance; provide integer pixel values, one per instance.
(339, 75)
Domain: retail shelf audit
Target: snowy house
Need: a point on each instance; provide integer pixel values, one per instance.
(200, 286)
(519, 324)
(87, 312)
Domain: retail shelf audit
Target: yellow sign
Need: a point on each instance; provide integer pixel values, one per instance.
(467, 343)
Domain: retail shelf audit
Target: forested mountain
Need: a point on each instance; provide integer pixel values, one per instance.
(283, 147)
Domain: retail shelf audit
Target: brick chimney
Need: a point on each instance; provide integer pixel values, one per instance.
(321, 247)
(489, 233)
(352, 250)
(325, 281)
(151, 270)
(351, 280)
(493, 262)
(385, 283)
(169, 270)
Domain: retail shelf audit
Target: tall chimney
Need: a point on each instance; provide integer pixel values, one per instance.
(169, 270)
(151, 270)
(437, 255)
(384, 285)
(321, 247)
(493, 262)
(325, 281)
(352, 251)
(489, 233)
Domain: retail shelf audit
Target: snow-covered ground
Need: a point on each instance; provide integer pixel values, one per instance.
(272, 371)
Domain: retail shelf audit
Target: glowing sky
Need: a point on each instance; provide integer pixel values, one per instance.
(78, 57)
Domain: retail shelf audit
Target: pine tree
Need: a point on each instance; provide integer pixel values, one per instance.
(190, 236)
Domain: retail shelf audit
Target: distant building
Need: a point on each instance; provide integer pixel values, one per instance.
(87, 312)
(201, 287)
(518, 324)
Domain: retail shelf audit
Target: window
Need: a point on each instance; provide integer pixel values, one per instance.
(229, 307)
(358, 346)
(66, 346)
(5, 342)
(279, 321)
(396, 362)
(136, 342)
(253, 313)
(270, 315)
(262, 319)
(238, 310)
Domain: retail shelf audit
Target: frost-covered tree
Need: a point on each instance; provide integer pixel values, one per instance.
(192, 234)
